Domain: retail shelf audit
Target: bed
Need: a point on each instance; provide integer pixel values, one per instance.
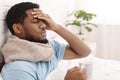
(102, 69)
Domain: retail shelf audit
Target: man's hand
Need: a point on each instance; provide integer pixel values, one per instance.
(51, 25)
(75, 73)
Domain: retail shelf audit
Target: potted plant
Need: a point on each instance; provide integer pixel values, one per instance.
(82, 20)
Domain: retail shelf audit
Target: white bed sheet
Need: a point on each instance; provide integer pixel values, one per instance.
(102, 69)
(106, 69)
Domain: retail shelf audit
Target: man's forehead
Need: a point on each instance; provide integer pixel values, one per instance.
(29, 11)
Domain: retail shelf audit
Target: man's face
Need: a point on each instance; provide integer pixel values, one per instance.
(34, 29)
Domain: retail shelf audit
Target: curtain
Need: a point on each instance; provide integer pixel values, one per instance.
(106, 35)
(107, 41)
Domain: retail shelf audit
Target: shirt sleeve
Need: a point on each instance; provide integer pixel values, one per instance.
(59, 49)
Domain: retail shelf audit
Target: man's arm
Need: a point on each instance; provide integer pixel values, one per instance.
(76, 47)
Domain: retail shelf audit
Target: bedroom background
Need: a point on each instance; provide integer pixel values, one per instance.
(106, 36)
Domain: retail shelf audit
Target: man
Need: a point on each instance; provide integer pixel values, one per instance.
(28, 54)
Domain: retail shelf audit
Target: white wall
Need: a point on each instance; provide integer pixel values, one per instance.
(107, 10)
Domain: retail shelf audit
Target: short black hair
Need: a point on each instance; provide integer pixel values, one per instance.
(16, 14)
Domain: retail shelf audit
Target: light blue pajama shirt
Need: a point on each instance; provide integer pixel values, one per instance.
(26, 70)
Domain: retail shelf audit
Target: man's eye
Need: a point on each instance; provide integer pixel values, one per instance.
(35, 22)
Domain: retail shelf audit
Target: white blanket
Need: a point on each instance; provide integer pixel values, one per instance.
(102, 69)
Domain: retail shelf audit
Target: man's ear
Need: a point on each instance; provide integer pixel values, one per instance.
(17, 28)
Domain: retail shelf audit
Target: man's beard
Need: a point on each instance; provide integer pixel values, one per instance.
(45, 41)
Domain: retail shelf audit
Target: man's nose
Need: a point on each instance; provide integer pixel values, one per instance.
(42, 26)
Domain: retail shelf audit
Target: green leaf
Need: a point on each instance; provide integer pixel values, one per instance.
(77, 23)
(88, 29)
(88, 23)
(79, 13)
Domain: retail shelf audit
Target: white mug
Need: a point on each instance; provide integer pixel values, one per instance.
(89, 69)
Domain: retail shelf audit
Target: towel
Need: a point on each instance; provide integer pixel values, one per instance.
(20, 49)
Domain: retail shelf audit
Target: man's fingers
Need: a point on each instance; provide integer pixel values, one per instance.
(77, 72)
(73, 69)
(37, 13)
(83, 69)
(79, 69)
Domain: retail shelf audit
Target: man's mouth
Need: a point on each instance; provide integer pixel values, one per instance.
(43, 33)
